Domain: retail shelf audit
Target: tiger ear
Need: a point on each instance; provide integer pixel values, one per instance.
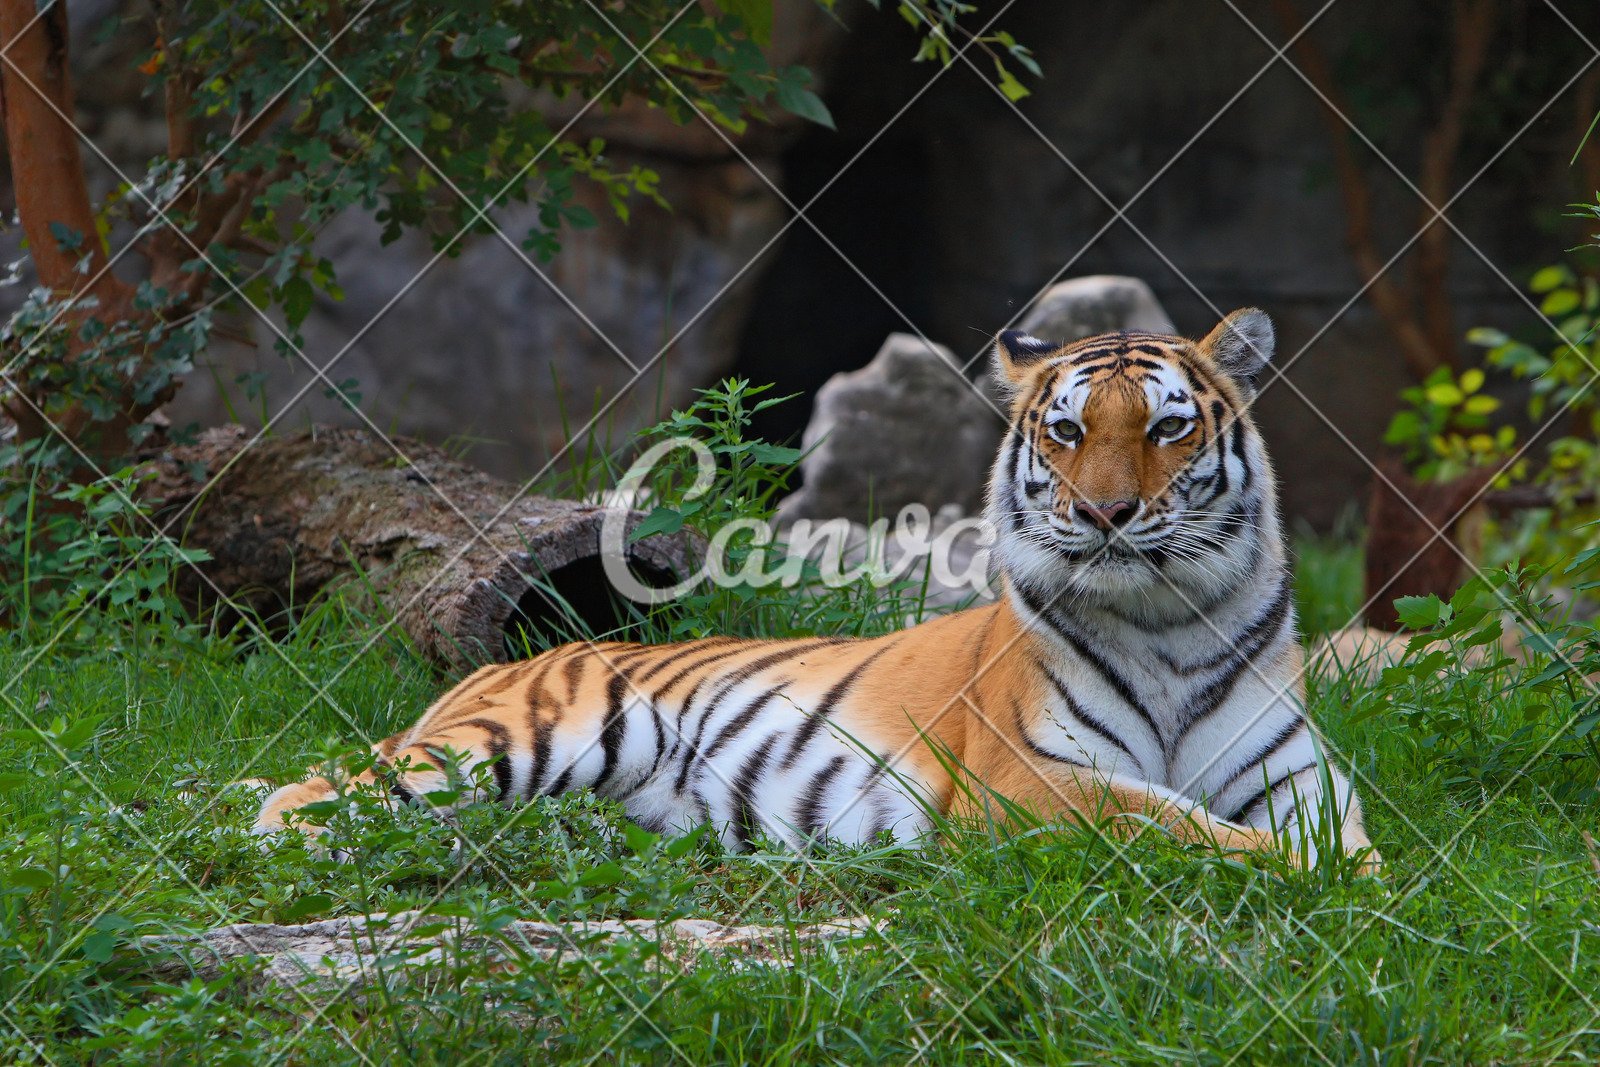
(1242, 345)
(1016, 353)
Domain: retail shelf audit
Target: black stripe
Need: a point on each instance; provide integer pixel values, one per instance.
(1238, 658)
(541, 753)
(737, 724)
(745, 820)
(1270, 619)
(808, 815)
(688, 649)
(830, 699)
(1290, 731)
(1094, 725)
(1260, 796)
(613, 728)
(498, 744)
(687, 763)
(716, 657)
(1218, 408)
(1034, 746)
(749, 670)
(570, 671)
(1237, 444)
(1112, 677)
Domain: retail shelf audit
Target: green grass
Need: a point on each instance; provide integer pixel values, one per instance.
(1042, 947)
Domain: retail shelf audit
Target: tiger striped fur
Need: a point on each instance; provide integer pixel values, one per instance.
(1143, 658)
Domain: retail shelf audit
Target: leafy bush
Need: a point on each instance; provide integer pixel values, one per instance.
(86, 561)
(1477, 717)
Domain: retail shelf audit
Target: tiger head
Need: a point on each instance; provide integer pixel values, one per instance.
(1132, 465)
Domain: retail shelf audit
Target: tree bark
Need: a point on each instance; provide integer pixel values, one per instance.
(1404, 556)
(1396, 306)
(290, 516)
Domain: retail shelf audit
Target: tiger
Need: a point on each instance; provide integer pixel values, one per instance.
(1140, 667)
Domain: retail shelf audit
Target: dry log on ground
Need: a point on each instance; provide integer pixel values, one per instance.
(433, 538)
(335, 953)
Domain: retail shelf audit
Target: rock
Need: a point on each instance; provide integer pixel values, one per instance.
(944, 556)
(1083, 307)
(336, 954)
(908, 428)
(1099, 303)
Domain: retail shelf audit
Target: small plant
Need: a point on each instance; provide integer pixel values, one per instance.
(736, 510)
(1476, 716)
(88, 560)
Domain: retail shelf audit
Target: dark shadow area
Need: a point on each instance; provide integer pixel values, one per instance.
(591, 605)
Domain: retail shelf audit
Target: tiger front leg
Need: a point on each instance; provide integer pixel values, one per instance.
(1313, 810)
(1117, 805)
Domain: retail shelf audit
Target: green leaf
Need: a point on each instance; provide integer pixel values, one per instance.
(296, 295)
(797, 99)
(31, 878)
(638, 838)
(1561, 301)
(310, 904)
(1013, 89)
(99, 946)
(661, 520)
(1549, 278)
(602, 874)
(775, 455)
(1444, 394)
(756, 16)
(1420, 612)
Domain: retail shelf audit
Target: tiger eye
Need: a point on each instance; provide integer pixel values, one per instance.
(1171, 426)
(1066, 431)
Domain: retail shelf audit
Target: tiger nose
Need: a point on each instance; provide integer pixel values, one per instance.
(1107, 515)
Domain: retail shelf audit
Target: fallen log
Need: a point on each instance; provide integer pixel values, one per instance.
(465, 575)
(336, 954)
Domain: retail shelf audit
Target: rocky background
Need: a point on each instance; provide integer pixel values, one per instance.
(934, 212)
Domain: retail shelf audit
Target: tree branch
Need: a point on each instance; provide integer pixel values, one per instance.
(1472, 29)
(1393, 304)
(47, 170)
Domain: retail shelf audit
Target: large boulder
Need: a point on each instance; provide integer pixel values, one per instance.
(1083, 307)
(1099, 303)
(907, 428)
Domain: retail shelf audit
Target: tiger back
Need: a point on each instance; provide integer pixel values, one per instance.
(1142, 658)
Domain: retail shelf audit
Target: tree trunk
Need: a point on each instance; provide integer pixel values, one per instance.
(1404, 556)
(290, 515)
